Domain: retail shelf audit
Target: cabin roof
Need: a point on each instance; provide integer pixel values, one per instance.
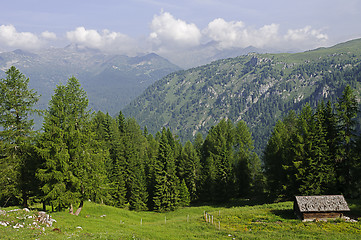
(327, 203)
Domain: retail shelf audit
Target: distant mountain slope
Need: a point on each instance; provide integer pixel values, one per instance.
(111, 81)
(257, 88)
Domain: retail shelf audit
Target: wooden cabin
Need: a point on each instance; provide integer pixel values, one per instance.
(320, 207)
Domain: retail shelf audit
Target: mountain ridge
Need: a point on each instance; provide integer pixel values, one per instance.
(256, 88)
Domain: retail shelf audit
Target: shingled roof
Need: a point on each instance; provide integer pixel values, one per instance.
(327, 203)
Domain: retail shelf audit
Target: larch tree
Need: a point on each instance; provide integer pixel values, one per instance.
(73, 164)
(16, 132)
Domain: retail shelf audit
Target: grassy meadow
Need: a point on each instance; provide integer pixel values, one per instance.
(241, 220)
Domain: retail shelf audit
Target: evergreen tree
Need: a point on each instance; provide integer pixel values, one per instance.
(319, 176)
(276, 156)
(149, 167)
(247, 163)
(219, 162)
(166, 183)
(189, 169)
(138, 189)
(184, 197)
(107, 130)
(134, 153)
(73, 165)
(332, 134)
(16, 105)
(347, 109)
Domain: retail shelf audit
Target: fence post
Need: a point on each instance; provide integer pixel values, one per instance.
(212, 219)
(219, 225)
(188, 218)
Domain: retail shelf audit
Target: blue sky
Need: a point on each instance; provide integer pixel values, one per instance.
(161, 26)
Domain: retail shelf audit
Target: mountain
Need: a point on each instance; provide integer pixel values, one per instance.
(256, 88)
(111, 81)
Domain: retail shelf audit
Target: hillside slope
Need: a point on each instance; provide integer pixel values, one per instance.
(256, 88)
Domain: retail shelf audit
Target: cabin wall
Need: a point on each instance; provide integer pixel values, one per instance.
(320, 215)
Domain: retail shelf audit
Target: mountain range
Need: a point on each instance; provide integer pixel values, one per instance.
(111, 81)
(256, 88)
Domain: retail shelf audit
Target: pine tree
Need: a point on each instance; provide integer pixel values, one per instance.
(184, 197)
(189, 169)
(219, 162)
(276, 156)
(247, 163)
(149, 167)
(16, 105)
(108, 132)
(319, 168)
(73, 165)
(138, 190)
(347, 109)
(166, 183)
(332, 134)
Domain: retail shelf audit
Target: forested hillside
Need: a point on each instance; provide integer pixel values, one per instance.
(257, 88)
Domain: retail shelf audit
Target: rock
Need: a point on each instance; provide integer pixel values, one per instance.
(3, 223)
(14, 210)
(26, 209)
(18, 225)
(44, 218)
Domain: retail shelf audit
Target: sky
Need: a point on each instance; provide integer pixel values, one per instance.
(167, 26)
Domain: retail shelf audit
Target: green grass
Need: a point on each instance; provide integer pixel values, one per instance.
(242, 220)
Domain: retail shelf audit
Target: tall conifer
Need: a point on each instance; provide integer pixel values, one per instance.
(16, 106)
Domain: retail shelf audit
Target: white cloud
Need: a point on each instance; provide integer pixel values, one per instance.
(170, 32)
(237, 34)
(106, 40)
(305, 37)
(10, 37)
(48, 35)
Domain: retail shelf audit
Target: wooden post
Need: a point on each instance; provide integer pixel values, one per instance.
(206, 217)
(212, 219)
(219, 225)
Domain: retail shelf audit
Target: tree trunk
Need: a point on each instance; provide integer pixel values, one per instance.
(44, 206)
(71, 211)
(25, 200)
(79, 209)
